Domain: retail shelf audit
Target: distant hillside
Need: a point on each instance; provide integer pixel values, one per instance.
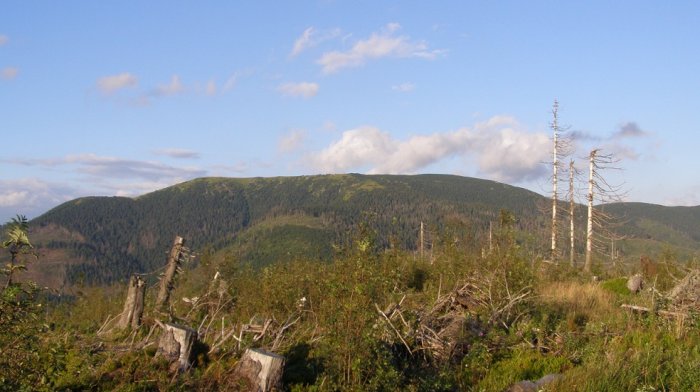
(265, 220)
(100, 239)
(649, 227)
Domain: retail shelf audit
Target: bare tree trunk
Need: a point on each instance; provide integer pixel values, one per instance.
(133, 306)
(589, 232)
(572, 205)
(166, 283)
(422, 240)
(139, 299)
(555, 167)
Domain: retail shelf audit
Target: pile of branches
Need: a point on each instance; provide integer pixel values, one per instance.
(685, 296)
(444, 331)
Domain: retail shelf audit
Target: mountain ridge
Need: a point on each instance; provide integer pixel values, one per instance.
(306, 216)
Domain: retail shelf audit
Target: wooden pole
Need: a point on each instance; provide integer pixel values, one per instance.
(166, 283)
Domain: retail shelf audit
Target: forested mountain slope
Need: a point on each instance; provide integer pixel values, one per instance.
(265, 220)
(105, 238)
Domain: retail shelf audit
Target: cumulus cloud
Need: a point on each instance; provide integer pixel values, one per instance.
(312, 37)
(112, 83)
(291, 141)
(378, 45)
(404, 87)
(501, 148)
(9, 73)
(4, 39)
(179, 153)
(302, 89)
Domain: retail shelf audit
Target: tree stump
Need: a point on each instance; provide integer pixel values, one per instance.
(133, 306)
(261, 371)
(176, 343)
(167, 281)
(635, 283)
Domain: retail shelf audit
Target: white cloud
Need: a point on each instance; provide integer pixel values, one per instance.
(404, 87)
(356, 148)
(114, 168)
(303, 42)
(231, 82)
(174, 87)
(4, 39)
(211, 88)
(31, 197)
(291, 141)
(502, 149)
(9, 73)
(11, 198)
(378, 45)
(312, 37)
(392, 27)
(110, 84)
(302, 89)
(179, 153)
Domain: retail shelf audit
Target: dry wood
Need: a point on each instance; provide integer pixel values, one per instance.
(642, 309)
(166, 283)
(133, 306)
(261, 370)
(394, 329)
(176, 344)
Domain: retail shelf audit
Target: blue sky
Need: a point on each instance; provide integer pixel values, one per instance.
(122, 98)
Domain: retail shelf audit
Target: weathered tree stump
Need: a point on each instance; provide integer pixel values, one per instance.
(167, 281)
(635, 283)
(176, 344)
(260, 371)
(133, 306)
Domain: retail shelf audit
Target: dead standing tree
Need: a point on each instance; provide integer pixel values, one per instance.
(572, 209)
(171, 269)
(133, 306)
(561, 148)
(599, 232)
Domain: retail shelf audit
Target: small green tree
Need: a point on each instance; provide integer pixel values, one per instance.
(19, 317)
(18, 244)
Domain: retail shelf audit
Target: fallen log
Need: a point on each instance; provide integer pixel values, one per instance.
(642, 309)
